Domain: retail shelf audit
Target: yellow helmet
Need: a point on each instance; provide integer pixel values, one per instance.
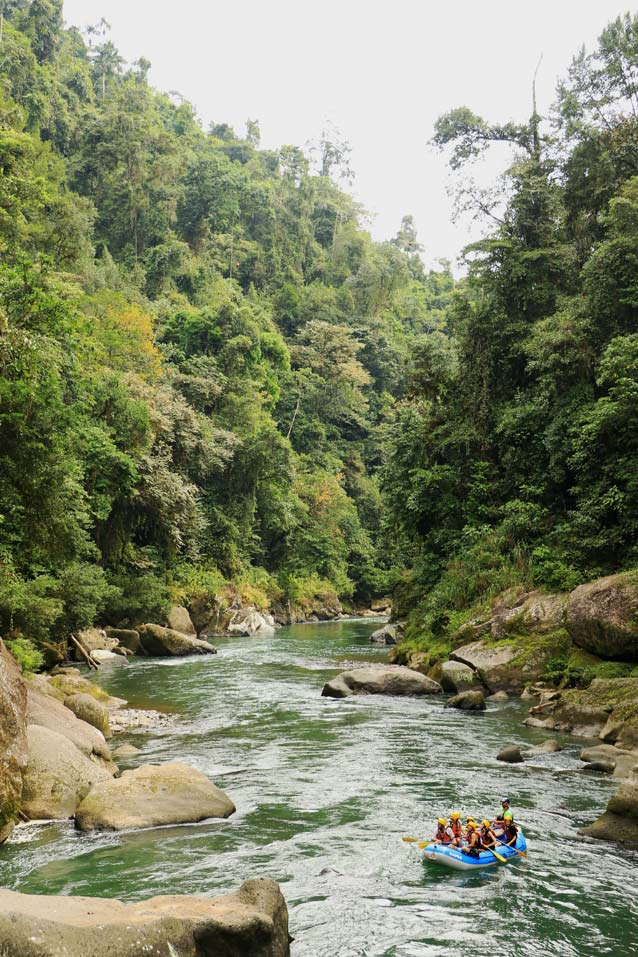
(441, 820)
(486, 823)
(455, 816)
(471, 825)
(470, 818)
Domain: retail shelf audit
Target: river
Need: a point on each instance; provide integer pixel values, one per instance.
(325, 790)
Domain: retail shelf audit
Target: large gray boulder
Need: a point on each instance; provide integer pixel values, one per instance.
(517, 613)
(498, 666)
(57, 775)
(467, 701)
(252, 922)
(159, 642)
(126, 638)
(602, 617)
(86, 708)
(511, 754)
(385, 636)
(380, 679)
(13, 740)
(179, 620)
(49, 713)
(620, 821)
(622, 764)
(249, 623)
(151, 796)
(457, 676)
(95, 639)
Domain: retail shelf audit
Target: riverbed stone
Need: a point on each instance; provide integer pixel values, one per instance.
(249, 623)
(620, 821)
(602, 616)
(251, 922)
(380, 679)
(85, 707)
(510, 754)
(551, 746)
(126, 638)
(180, 620)
(499, 696)
(151, 796)
(94, 639)
(161, 642)
(387, 635)
(467, 701)
(457, 676)
(57, 775)
(13, 739)
(126, 751)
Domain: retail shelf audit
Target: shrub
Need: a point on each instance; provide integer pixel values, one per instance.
(25, 652)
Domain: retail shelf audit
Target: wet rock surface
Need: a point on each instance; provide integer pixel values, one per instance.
(380, 679)
(252, 922)
(13, 739)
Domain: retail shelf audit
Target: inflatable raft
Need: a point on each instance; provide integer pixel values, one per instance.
(453, 857)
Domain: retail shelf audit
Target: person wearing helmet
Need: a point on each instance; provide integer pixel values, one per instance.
(473, 845)
(511, 834)
(457, 829)
(498, 825)
(444, 833)
(487, 837)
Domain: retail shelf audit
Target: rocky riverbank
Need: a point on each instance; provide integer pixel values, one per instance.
(252, 921)
(56, 764)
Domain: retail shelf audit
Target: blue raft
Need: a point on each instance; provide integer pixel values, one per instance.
(453, 857)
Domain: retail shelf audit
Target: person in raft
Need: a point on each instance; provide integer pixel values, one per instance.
(503, 818)
(487, 836)
(473, 845)
(511, 834)
(457, 829)
(444, 833)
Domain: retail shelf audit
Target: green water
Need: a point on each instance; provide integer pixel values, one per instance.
(324, 791)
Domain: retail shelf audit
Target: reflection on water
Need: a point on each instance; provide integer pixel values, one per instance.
(324, 791)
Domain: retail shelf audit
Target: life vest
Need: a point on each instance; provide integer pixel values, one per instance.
(457, 828)
(442, 835)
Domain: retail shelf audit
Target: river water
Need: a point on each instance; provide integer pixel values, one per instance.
(325, 790)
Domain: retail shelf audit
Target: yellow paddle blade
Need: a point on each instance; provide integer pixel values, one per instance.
(410, 840)
(426, 843)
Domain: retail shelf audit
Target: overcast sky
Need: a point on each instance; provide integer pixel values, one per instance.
(381, 71)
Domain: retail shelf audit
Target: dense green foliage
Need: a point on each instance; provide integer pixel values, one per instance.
(200, 349)
(514, 456)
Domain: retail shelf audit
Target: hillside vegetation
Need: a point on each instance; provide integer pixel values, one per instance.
(200, 349)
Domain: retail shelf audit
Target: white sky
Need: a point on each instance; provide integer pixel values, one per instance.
(381, 70)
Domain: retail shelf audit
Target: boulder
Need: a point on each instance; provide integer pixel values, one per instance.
(496, 665)
(380, 679)
(179, 620)
(94, 639)
(126, 751)
(608, 708)
(252, 922)
(13, 739)
(530, 612)
(85, 707)
(57, 775)
(126, 638)
(108, 657)
(49, 713)
(385, 636)
(456, 677)
(602, 617)
(551, 746)
(248, 623)
(620, 820)
(73, 684)
(599, 767)
(162, 642)
(620, 763)
(569, 716)
(511, 754)
(467, 701)
(499, 696)
(44, 685)
(150, 796)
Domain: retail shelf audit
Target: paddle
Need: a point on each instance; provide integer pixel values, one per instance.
(521, 853)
